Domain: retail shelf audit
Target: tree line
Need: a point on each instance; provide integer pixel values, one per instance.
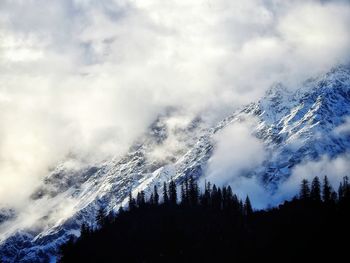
(215, 224)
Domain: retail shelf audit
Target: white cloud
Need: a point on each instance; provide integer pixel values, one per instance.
(335, 169)
(88, 76)
(343, 129)
(237, 152)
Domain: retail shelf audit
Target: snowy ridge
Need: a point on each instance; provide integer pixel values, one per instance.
(293, 125)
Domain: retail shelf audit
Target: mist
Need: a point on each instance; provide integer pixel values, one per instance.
(86, 78)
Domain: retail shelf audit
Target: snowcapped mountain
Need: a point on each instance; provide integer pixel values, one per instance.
(294, 126)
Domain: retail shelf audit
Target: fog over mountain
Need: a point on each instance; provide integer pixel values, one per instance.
(87, 77)
(87, 87)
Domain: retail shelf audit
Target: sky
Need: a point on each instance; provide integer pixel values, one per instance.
(86, 77)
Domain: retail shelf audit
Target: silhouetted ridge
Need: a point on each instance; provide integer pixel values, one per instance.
(215, 225)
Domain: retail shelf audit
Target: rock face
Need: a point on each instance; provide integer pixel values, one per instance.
(294, 126)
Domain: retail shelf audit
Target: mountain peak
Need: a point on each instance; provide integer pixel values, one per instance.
(294, 126)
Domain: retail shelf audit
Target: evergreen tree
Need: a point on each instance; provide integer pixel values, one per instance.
(140, 199)
(344, 190)
(186, 191)
(304, 190)
(156, 195)
(110, 218)
(143, 197)
(183, 194)
(224, 198)
(214, 197)
(172, 193)
(84, 230)
(326, 190)
(165, 194)
(101, 217)
(315, 193)
(241, 207)
(151, 199)
(132, 202)
(121, 210)
(346, 187)
(235, 204)
(193, 191)
(340, 192)
(229, 197)
(334, 197)
(204, 198)
(248, 210)
(234, 230)
(219, 199)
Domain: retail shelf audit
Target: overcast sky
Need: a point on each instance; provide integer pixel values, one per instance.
(86, 77)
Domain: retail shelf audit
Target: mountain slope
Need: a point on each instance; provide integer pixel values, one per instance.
(294, 126)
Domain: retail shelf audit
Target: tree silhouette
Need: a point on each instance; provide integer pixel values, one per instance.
(185, 192)
(248, 210)
(326, 190)
(101, 217)
(151, 199)
(315, 193)
(193, 192)
(165, 194)
(172, 192)
(304, 190)
(155, 195)
(140, 199)
(218, 227)
(205, 198)
(132, 202)
(85, 230)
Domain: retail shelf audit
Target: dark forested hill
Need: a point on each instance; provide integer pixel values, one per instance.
(216, 226)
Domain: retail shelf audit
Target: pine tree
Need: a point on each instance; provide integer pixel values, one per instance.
(214, 197)
(315, 193)
(193, 192)
(132, 202)
(248, 210)
(334, 197)
(304, 190)
(236, 205)
(241, 207)
(344, 190)
(183, 194)
(205, 198)
(219, 199)
(186, 191)
(151, 199)
(224, 198)
(229, 197)
(101, 217)
(140, 199)
(340, 192)
(326, 190)
(110, 218)
(165, 194)
(156, 195)
(346, 187)
(121, 210)
(84, 230)
(172, 193)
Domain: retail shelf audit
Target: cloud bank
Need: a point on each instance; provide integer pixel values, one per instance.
(85, 78)
(236, 153)
(335, 169)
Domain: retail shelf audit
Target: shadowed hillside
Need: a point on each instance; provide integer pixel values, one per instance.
(216, 226)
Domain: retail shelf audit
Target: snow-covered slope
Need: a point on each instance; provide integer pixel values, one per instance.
(294, 126)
